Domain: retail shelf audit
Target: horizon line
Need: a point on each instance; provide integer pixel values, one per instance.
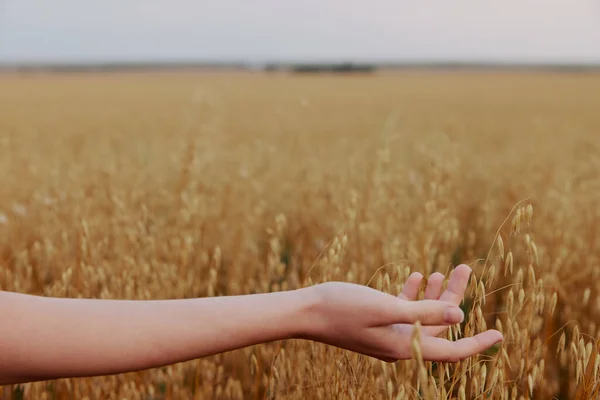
(304, 61)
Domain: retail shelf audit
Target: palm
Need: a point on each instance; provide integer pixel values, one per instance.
(453, 294)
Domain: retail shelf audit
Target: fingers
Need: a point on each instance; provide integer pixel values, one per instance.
(434, 286)
(442, 350)
(433, 292)
(410, 289)
(457, 284)
(427, 312)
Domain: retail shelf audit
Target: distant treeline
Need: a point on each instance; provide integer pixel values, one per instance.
(322, 68)
(117, 67)
(298, 68)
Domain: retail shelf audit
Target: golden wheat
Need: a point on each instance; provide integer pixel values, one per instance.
(156, 186)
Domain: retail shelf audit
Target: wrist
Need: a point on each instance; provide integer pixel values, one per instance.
(303, 320)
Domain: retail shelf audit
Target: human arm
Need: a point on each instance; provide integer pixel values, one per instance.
(50, 338)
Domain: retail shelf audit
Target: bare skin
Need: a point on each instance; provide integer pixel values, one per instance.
(51, 338)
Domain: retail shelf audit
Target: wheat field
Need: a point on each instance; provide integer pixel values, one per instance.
(179, 185)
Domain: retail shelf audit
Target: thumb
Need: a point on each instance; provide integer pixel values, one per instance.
(428, 312)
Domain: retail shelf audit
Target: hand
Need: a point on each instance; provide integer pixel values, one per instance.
(373, 323)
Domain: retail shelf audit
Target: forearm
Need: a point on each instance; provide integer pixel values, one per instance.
(48, 338)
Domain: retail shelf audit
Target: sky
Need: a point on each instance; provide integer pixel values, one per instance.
(525, 31)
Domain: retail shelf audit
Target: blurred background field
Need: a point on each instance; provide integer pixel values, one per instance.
(174, 185)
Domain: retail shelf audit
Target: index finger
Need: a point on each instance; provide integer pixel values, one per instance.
(427, 312)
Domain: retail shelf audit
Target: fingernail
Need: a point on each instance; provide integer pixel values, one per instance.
(453, 315)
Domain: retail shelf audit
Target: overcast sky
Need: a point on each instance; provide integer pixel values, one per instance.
(111, 30)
